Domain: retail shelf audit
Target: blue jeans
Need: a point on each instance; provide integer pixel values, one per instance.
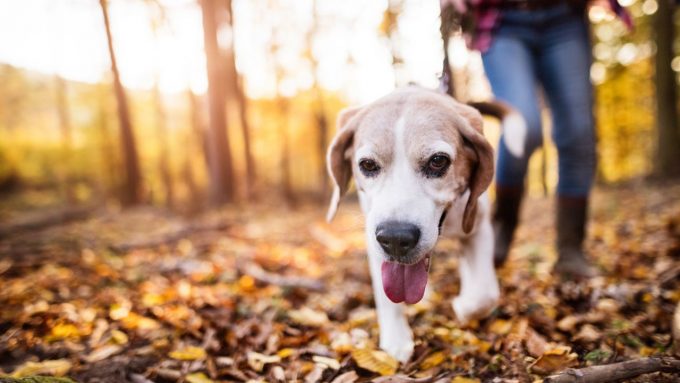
(550, 48)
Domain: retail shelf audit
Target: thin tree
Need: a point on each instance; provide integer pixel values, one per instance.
(162, 135)
(319, 110)
(64, 117)
(131, 192)
(237, 96)
(668, 133)
(219, 152)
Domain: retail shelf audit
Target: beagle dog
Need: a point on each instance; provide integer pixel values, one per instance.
(421, 166)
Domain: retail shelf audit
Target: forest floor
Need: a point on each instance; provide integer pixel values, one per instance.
(273, 295)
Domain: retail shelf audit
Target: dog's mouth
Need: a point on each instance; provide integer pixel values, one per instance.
(405, 283)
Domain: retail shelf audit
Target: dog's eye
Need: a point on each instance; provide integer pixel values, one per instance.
(369, 167)
(436, 166)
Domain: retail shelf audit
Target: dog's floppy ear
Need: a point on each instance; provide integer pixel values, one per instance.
(482, 170)
(338, 158)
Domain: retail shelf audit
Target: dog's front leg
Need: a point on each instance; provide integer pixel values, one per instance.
(395, 334)
(479, 290)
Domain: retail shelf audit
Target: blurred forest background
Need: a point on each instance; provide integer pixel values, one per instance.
(192, 104)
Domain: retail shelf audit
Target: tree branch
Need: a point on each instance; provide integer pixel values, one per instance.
(615, 371)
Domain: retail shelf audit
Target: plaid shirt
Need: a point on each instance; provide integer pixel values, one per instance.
(487, 15)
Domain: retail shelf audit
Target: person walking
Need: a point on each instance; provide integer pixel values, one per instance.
(526, 44)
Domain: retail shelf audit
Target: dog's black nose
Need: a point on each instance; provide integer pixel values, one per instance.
(397, 238)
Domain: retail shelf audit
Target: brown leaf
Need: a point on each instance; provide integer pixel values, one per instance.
(403, 379)
(535, 343)
(588, 334)
(103, 353)
(347, 377)
(317, 372)
(568, 323)
(308, 317)
(554, 360)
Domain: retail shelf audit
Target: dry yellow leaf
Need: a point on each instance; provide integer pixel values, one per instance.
(63, 331)
(500, 327)
(285, 352)
(554, 360)
(135, 321)
(375, 361)
(462, 379)
(152, 299)
(246, 283)
(119, 311)
(188, 353)
(198, 377)
(433, 360)
(58, 367)
(119, 337)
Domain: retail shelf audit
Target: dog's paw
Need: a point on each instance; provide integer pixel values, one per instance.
(476, 306)
(398, 345)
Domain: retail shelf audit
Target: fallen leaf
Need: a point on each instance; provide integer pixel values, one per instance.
(500, 326)
(403, 379)
(119, 337)
(588, 334)
(58, 367)
(535, 343)
(198, 377)
(103, 353)
(308, 317)
(554, 360)
(375, 361)
(63, 331)
(257, 361)
(462, 379)
(329, 362)
(188, 353)
(433, 360)
(278, 373)
(347, 377)
(568, 323)
(315, 375)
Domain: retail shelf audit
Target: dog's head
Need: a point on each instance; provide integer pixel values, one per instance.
(414, 154)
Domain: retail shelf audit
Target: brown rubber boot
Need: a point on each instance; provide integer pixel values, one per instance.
(505, 219)
(572, 263)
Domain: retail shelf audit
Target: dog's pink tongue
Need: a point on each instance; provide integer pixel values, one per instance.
(404, 282)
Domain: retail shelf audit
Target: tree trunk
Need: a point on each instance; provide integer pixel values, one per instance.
(286, 183)
(198, 141)
(162, 134)
(132, 189)
(66, 173)
(237, 95)
(109, 176)
(319, 110)
(219, 152)
(668, 133)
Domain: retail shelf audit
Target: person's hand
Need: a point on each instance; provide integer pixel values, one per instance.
(459, 5)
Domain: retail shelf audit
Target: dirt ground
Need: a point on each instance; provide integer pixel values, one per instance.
(271, 294)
